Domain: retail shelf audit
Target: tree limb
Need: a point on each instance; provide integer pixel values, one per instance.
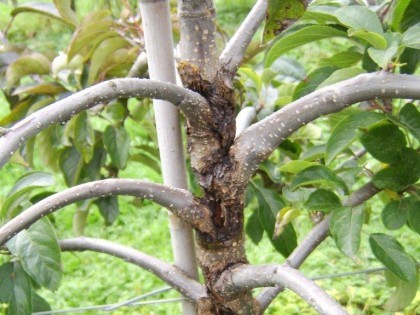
(246, 277)
(244, 119)
(234, 52)
(193, 106)
(257, 142)
(170, 274)
(315, 237)
(178, 201)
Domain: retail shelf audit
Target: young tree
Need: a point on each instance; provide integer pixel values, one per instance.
(226, 150)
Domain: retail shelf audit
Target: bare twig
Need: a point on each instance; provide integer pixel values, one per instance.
(139, 67)
(193, 106)
(256, 143)
(170, 274)
(246, 277)
(178, 201)
(315, 237)
(234, 52)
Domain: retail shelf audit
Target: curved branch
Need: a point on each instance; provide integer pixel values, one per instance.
(315, 237)
(257, 142)
(194, 107)
(170, 274)
(178, 201)
(246, 277)
(244, 119)
(234, 52)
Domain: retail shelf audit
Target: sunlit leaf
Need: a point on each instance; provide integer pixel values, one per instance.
(296, 166)
(346, 227)
(343, 59)
(360, 18)
(49, 88)
(392, 254)
(46, 9)
(404, 294)
(65, 11)
(397, 13)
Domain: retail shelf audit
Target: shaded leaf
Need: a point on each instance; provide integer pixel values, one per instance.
(71, 163)
(312, 82)
(32, 63)
(109, 208)
(346, 227)
(39, 304)
(404, 294)
(288, 68)
(48, 88)
(65, 11)
(343, 59)
(46, 9)
(395, 214)
(296, 166)
(318, 174)
(397, 13)
(117, 144)
(344, 133)
(298, 38)
(359, 18)
(414, 215)
(376, 40)
(323, 200)
(39, 253)
(83, 136)
(392, 254)
(383, 140)
(254, 229)
(410, 117)
(341, 75)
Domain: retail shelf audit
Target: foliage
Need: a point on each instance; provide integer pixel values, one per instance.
(309, 175)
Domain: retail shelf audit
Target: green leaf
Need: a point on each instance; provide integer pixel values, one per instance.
(376, 40)
(253, 76)
(346, 227)
(46, 9)
(410, 118)
(109, 208)
(26, 184)
(318, 174)
(323, 200)
(288, 68)
(254, 229)
(382, 57)
(414, 215)
(80, 217)
(144, 159)
(49, 88)
(341, 75)
(343, 59)
(39, 304)
(38, 250)
(15, 289)
(315, 153)
(269, 205)
(404, 294)
(411, 16)
(280, 14)
(83, 136)
(383, 140)
(312, 82)
(296, 166)
(395, 214)
(392, 254)
(359, 18)
(32, 63)
(321, 14)
(65, 11)
(298, 38)
(71, 163)
(397, 13)
(411, 38)
(117, 144)
(344, 133)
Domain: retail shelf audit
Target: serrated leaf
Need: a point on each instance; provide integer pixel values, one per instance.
(341, 75)
(410, 117)
(323, 200)
(298, 38)
(318, 174)
(83, 136)
(296, 166)
(344, 133)
(15, 289)
(65, 11)
(117, 144)
(383, 140)
(346, 227)
(109, 208)
(280, 14)
(395, 214)
(411, 37)
(23, 186)
(392, 254)
(71, 163)
(404, 294)
(38, 250)
(269, 204)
